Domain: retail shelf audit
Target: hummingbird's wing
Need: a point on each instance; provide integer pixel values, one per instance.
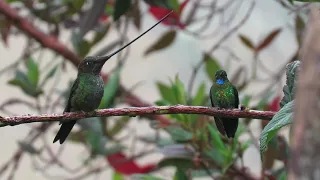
(231, 124)
(67, 126)
(217, 120)
(72, 91)
(236, 97)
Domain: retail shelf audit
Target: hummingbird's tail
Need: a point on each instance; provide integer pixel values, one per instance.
(231, 126)
(64, 131)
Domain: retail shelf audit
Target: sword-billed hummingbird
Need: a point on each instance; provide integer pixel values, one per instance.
(87, 90)
(224, 95)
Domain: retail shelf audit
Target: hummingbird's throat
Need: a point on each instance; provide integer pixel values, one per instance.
(220, 81)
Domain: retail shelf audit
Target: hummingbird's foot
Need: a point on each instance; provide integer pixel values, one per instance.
(92, 113)
(243, 108)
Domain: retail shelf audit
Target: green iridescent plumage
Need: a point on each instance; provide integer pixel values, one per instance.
(85, 94)
(224, 95)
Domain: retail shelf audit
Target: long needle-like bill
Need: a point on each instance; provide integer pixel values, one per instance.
(105, 58)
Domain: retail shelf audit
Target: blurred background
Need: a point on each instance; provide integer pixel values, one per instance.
(42, 42)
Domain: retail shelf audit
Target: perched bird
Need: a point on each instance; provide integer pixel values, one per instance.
(224, 95)
(87, 90)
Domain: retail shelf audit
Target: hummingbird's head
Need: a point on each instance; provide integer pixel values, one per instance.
(92, 65)
(221, 77)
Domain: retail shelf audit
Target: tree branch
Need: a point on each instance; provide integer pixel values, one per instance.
(138, 111)
(305, 157)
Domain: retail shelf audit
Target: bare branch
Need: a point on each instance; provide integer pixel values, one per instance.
(138, 111)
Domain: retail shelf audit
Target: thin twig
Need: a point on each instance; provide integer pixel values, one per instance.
(234, 29)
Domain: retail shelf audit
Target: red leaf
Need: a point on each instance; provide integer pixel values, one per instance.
(173, 19)
(5, 33)
(275, 104)
(103, 18)
(183, 5)
(267, 41)
(125, 166)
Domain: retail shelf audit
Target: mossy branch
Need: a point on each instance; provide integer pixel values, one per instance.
(139, 111)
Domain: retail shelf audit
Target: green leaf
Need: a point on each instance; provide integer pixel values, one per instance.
(177, 151)
(160, 141)
(135, 14)
(204, 173)
(299, 25)
(179, 91)
(289, 90)
(109, 9)
(200, 97)
(216, 138)
(145, 177)
(219, 150)
(174, 4)
(99, 34)
(110, 90)
(162, 102)
(119, 125)
(246, 144)
(163, 42)
(83, 48)
(75, 40)
(291, 2)
(121, 7)
(52, 72)
(96, 142)
(246, 41)
(264, 100)
(183, 163)
(180, 174)
(117, 176)
(76, 137)
(21, 80)
(159, 3)
(77, 3)
(33, 72)
(166, 93)
(283, 175)
(211, 65)
(114, 149)
(49, 75)
(281, 119)
(178, 134)
(307, 0)
(246, 100)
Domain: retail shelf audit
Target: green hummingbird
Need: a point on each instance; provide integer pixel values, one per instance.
(224, 95)
(87, 90)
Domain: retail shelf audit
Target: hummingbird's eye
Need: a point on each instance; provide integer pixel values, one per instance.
(87, 63)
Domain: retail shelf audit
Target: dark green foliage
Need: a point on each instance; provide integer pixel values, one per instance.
(28, 81)
(284, 116)
(121, 7)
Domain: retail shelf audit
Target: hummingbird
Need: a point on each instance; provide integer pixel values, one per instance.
(88, 88)
(224, 95)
